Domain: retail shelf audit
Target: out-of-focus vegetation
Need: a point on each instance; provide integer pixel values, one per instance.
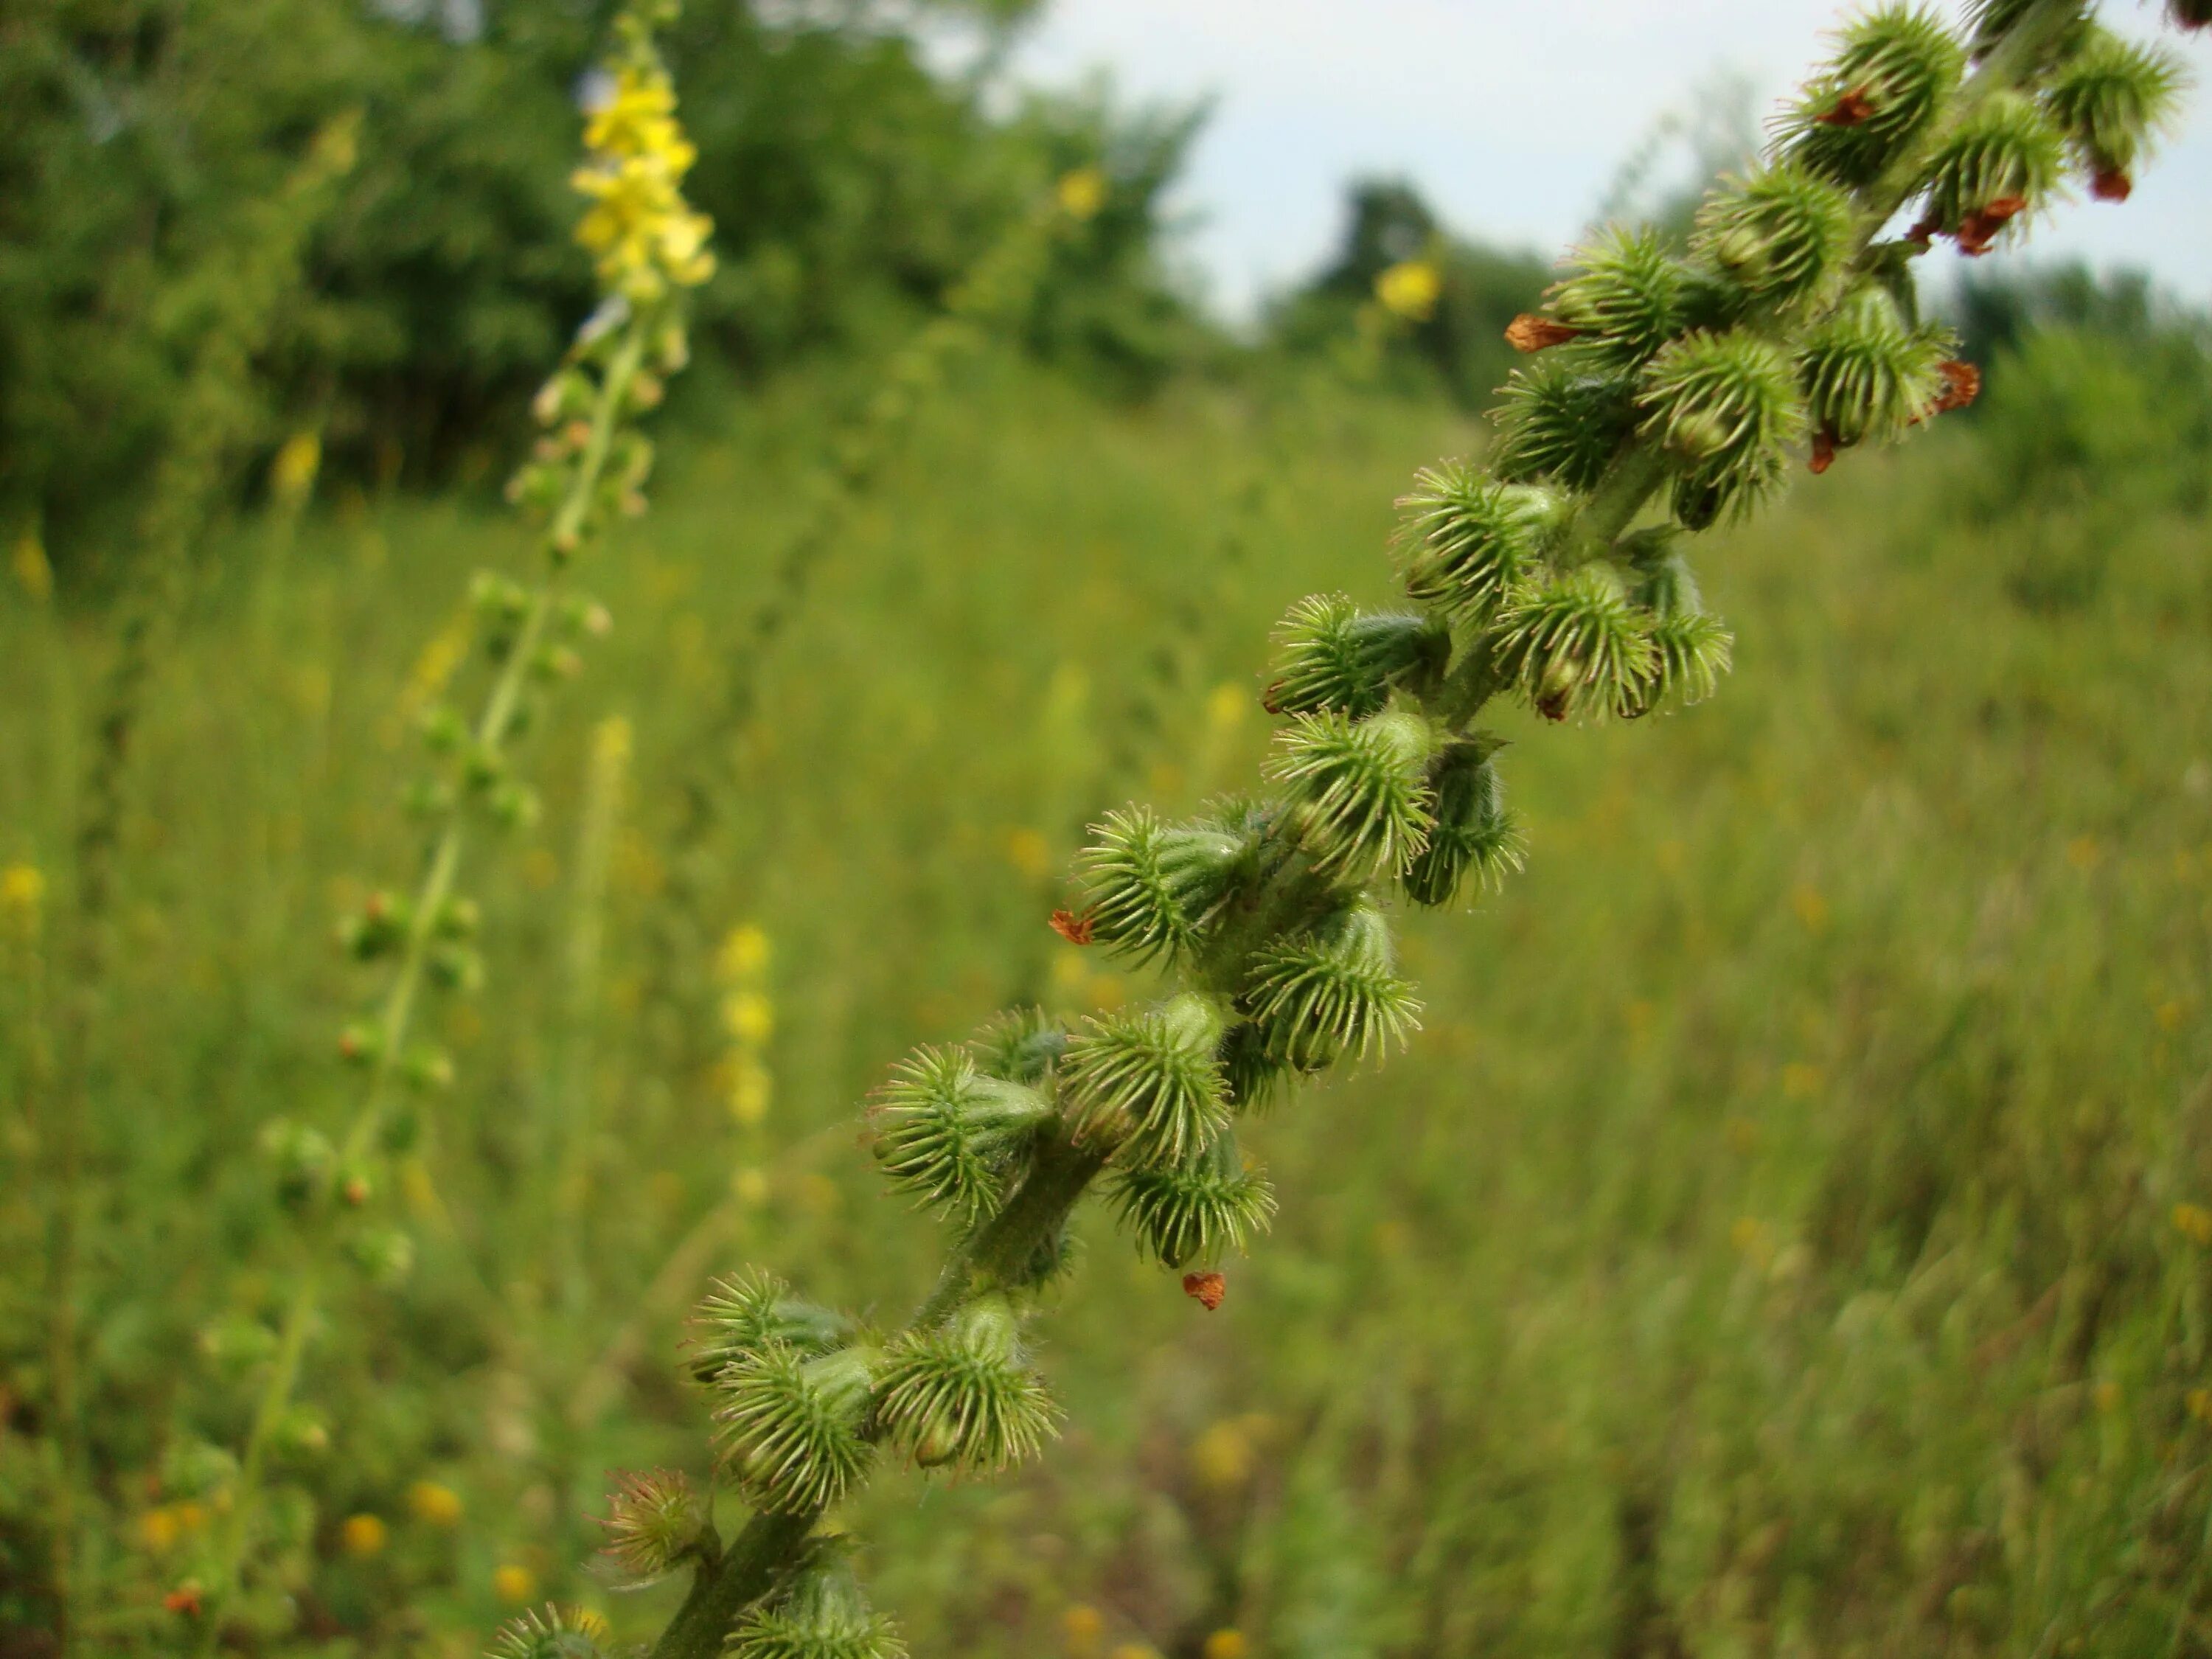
(1792, 1233)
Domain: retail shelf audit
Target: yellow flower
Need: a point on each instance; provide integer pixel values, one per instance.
(744, 952)
(1225, 706)
(32, 573)
(1083, 1625)
(1082, 193)
(751, 1088)
(1221, 1458)
(1226, 1644)
(159, 1529)
(433, 1505)
(292, 474)
(2193, 1222)
(363, 1536)
(22, 890)
(514, 1583)
(639, 118)
(1411, 290)
(749, 1016)
(751, 1185)
(2199, 1402)
(1029, 853)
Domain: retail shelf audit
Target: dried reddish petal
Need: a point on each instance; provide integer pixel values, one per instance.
(1207, 1289)
(185, 1599)
(1962, 384)
(1853, 107)
(1979, 229)
(1532, 332)
(1075, 929)
(1823, 450)
(2112, 185)
(1922, 234)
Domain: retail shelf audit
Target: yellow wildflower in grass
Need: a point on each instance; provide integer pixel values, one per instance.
(32, 573)
(514, 1583)
(1226, 705)
(292, 474)
(751, 1186)
(159, 1530)
(1226, 1644)
(1136, 1650)
(749, 1016)
(2193, 1222)
(1082, 193)
(2199, 1404)
(434, 1505)
(752, 1089)
(1411, 289)
(1221, 1457)
(645, 236)
(1083, 1625)
(744, 952)
(23, 892)
(363, 1536)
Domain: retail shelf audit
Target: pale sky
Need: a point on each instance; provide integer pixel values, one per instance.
(1512, 116)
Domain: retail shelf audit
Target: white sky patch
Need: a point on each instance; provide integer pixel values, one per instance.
(1511, 118)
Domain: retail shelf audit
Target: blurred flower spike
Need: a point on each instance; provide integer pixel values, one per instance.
(645, 238)
(1411, 290)
(1082, 193)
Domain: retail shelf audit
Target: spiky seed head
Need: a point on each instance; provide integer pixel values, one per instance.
(2003, 159)
(824, 1614)
(1466, 539)
(1626, 295)
(2111, 98)
(1991, 21)
(1357, 788)
(1561, 420)
(1893, 68)
(1475, 841)
(1251, 1075)
(1329, 654)
(1782, 234)
(1021, 1045)
(963, 1394)
(1195, 1210)
(754, 1310)
(1726, 408)
(1332, 992)
(950, 1133)
(1867, 376)
(790, 1427)
(1150, 889)
(1691, 651)
(1576, 647)
(1147, 1084)
(550, 1632)
(655, 1522)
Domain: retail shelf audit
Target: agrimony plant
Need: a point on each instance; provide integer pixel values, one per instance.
(1672, 393)
(588, 468)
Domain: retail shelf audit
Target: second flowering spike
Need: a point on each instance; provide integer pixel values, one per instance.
(963, 1395)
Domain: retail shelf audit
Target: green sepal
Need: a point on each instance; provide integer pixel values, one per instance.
(1466, 540)
(964, 1393)
(1147, 1084)
(1475, 838)
(1562, 420)
(821, 1614)
(1357, 789)
(655, 1522)
(757, 1311)
(1866, 375)
(2111, 98)
(1576, 648)
(1022, 1045)
(2006, 149)
(1332, 656)
(790, 1426)
(1780, 234)
(1331, 992)
(1628, 295)
(1195, 1210)
(1149, 889)
(1725, 407)
(550, 1632)
(949, 1133)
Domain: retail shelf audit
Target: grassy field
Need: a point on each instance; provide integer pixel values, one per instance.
(1784, 1237)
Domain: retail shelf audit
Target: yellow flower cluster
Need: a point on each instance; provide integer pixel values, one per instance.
(644, 235)
(1410, 289)
(749, 1017)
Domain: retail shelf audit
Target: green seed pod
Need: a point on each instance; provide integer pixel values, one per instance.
(1561, 421)
(1356, 790)
(455, 967)
(381, 928)
(1627, 296)
(1465, 540)
(1866, 375)
(1780, 234)
(1893, 68)
(1726, 408)
(1474, 835)
(1194, 1210)
(1147, 1084)
(823, 1616)
(790, 1427)
(428, 1068)
(1149, 889)
(304, 1160)
(655, 1523)
(1022, 1046)
(196, 1468)
(754, 1311)
(947, 1131)
(385, 1255)
(2111, 98)
(2003, 159)
(1332, 992)
(550, 1632)
(1576, 647)
(963, 1394)
(1331, 655)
